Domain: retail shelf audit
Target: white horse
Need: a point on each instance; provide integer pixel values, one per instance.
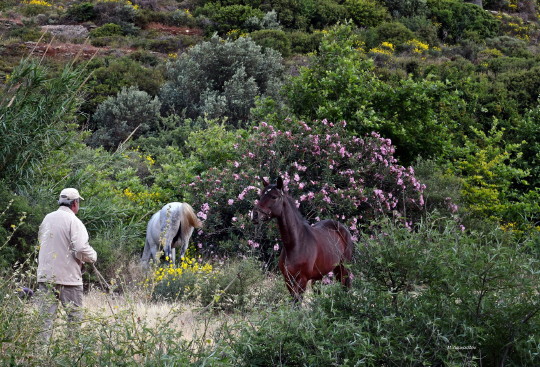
(169, 228)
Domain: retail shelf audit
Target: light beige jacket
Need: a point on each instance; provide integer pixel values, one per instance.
(63, 248)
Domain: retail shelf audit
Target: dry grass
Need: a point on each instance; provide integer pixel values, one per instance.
(188, 318)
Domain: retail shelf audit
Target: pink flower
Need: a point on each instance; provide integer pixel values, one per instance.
(230, 202)
(253, 244)
(276, 247)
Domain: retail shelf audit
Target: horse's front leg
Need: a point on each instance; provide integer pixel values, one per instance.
(296, 285)
(343, 275)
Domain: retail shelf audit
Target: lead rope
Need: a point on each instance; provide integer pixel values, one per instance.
(104, 284)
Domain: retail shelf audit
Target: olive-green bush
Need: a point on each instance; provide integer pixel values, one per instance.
(128, 115)
(221, 78)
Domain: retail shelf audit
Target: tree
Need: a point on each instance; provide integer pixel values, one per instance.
(127, 115)
(221, 78)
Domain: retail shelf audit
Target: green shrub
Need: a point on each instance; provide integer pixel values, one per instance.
(274, 39)
(182, 282)
(165, 45)
(366, 13)
(340, 84)
(114, 12)
(107, 30)
(226, 18)
(128, 115)
(510, 46)
(182, 17)
(406, 8)
(268, 21)
(396, 33)
(4, 5)
(31, 10)
(111, 74)
(222, 79)
(522, 86)
(230, 287)
(29, 34)
(462, 20)
(145, 58)
(528, 131)
(328, 13)
(19, 225)
(423, 28)
(292, 14)
(304, 42)
(81, 12)
(489, 169)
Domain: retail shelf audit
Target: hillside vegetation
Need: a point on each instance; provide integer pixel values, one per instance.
(416, 123)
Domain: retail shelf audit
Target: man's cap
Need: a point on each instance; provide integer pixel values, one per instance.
(69, 194)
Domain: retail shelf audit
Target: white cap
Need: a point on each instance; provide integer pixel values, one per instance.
(68, 195)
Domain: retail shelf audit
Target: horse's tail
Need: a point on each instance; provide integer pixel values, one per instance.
(348, 241)
(145, 258)
(189, 218)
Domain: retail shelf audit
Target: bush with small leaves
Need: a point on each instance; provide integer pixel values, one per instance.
(107, 30)
(394, 32)
(274, 39)
(304, 42)
(366, 13)
(406, 8)
(222, 79)
(111, 74)
(461, 20)
(128, 115)
(423, 28)
(81, 12)
(231, 287)
(227, 18)
(328, 13)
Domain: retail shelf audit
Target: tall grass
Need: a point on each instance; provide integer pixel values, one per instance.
(36, 110)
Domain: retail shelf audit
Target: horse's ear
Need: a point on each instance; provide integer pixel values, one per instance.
(280, 183)
(264, 182)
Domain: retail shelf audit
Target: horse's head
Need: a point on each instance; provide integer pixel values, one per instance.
(270, 203)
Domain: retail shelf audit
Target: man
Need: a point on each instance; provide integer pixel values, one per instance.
(63, 249)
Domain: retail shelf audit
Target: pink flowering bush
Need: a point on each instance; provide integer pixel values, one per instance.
(330, 174)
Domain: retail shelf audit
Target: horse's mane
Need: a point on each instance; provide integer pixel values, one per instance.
(188, 220)
(295, 209)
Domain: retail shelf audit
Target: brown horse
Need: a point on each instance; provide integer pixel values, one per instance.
(309, 251)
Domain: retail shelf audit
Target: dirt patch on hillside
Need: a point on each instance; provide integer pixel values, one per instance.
(174, 30)
(63, 50)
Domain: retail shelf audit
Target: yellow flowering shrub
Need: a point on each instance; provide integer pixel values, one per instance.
(182, 281)
(37, 2)
(187, 265)
(385, 48)
(417, 46)
(125, 2)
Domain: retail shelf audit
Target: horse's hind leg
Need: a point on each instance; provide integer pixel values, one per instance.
(343, 275)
